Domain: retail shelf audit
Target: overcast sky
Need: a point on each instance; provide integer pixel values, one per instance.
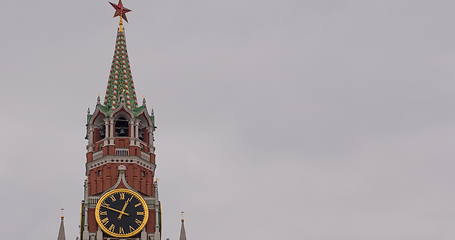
(285, 119)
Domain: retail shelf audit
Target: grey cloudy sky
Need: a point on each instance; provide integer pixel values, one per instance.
(289, 119)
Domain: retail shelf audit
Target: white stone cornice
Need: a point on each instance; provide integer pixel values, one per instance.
(120, 159)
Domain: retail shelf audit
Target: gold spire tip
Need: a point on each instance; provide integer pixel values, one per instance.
(120, 25)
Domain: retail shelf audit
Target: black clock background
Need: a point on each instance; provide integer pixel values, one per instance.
(126, 221)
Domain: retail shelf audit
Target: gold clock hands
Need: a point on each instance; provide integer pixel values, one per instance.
(124, 207)
(113, 209)
(123, 210)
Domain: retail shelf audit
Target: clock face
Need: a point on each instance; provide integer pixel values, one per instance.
(121, 213)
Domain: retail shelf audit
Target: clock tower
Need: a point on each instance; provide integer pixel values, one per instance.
(120, 190)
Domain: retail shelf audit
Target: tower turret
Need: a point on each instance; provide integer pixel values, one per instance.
(61, 231)
(182, 229)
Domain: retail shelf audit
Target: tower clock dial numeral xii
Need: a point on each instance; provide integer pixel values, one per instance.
(121, 213)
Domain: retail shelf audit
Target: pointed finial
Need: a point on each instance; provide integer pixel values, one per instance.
(143, 101)
(61, 214)
(98, 100)
(88, 111)
(182, 213)
(120, 25)
(182, 229)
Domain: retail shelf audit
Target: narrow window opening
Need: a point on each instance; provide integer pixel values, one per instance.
(142, 134)
(103, 132)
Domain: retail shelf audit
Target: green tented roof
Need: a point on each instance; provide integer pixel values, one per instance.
(120, 83)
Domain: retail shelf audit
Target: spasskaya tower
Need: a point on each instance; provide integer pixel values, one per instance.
(121, 194)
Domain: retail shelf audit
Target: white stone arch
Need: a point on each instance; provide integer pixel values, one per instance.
(97, 127)
(122, 123)
(143, 127)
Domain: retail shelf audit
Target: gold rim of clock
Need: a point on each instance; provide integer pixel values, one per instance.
(138, 196)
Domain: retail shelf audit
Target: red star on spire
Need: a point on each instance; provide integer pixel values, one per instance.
(120, 10)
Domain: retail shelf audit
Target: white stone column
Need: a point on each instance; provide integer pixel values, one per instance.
(150, 131)
(132, 132)
(106, 128)
(157, 233)
(143, 234)
(111, 131)
(106, 132)
(157, 212)
(136, 128)
(85, 233)
(90, 138)
(99, 234)
(132, 128)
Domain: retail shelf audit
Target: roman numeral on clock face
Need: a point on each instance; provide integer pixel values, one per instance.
(103, 213)
(113, 198)
(112, 228)
(122, 196)
(121, 231)
(140, 213)
(105, 221)
(137, 205)
(131, 228)
(138, 221)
